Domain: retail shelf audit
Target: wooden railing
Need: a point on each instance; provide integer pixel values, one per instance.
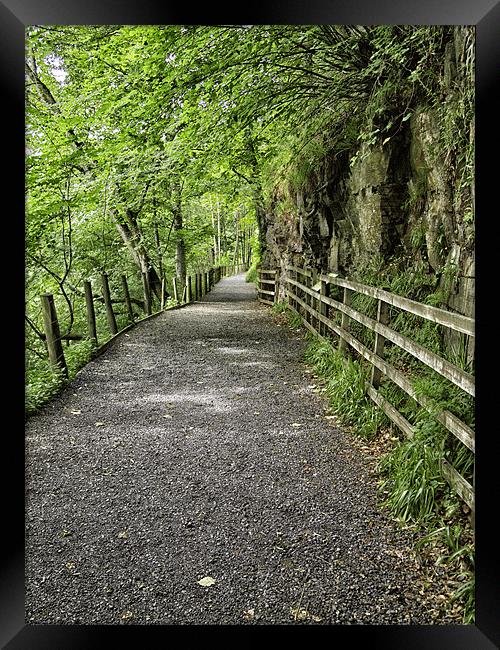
(308, 295)
(266, 284)
(197, 285)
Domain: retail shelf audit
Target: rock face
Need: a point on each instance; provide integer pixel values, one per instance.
(406, 199)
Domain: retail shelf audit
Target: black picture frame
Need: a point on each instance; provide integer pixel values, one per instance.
(15, 15)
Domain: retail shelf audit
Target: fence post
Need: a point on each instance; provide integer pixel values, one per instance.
(383, 318)
(89, 303)
(110, 315)
(128, 302)
(147, 294)
(307, 297)
(53, 334)
(303, 281)
(189, 289)
(345, 320)
(314, 301)
(323, 307)
(207, 281)
(290, 287)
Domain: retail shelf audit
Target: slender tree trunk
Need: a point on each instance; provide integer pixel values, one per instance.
(249, 248)
(214, 238)
(236, 227)
(243, 245)
(157, 241)
(218, 233)
(180, 245)
(258, 199)
(130, 234)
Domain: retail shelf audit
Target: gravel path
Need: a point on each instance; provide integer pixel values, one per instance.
(195, 447)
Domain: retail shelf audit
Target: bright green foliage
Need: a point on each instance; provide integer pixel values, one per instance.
(43, 383)
(281, 308)
(345, 388)
(415, 483)
(129, 125)
(251, 275)
(294, 319)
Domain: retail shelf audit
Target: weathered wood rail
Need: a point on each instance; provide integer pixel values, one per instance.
(266, 282)
(307, 293)
(197, 285)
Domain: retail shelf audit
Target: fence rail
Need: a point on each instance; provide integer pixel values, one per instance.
(266, 278)
(307, 295)
(197, 285)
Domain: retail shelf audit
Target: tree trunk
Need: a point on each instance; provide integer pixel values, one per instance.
(237, 230)
(258, 199)
(180, 245)
(218, 233)
(131, 236)
(158, 243)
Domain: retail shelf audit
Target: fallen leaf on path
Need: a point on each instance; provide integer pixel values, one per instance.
(123, 534)
(302, 615)
(167, 416)
(76, 412)
(206, 582)
(296, 424)
(99, 424)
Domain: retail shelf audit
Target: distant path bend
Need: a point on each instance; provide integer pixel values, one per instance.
(195, 447)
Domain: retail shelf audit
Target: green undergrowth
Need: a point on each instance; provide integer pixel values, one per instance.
(411, 485)
(251, 275)
(43, 383)
(345, 388)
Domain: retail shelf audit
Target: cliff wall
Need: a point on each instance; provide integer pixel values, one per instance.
(404, 200)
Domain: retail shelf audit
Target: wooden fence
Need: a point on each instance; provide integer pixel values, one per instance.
(266, 286)
(197, 285)
(308, 295)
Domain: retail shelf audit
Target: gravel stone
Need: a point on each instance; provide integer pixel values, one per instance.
(176, 456)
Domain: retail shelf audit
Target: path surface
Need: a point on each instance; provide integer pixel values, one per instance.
(196, 447)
